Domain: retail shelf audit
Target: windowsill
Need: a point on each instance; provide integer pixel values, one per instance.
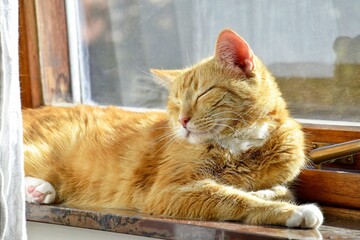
(134, 223)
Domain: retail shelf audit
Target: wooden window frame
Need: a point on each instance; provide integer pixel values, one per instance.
(30, 78)
(45, 67)
(44, 53)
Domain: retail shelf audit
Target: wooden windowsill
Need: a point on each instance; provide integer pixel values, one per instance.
(134, 223)
(333, 188)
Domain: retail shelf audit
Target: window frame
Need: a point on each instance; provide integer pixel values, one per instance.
(44, 58)
(44, 53)
(29, 65)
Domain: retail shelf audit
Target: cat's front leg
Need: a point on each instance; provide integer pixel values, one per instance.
(276, 193)
(39, 191)
(209, 200)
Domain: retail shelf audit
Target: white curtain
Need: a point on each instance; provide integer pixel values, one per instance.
(12, 200)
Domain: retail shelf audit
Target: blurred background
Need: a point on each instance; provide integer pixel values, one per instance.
(311, 47)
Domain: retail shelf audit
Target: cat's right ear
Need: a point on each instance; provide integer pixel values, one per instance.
(233, 51)
(165, 77)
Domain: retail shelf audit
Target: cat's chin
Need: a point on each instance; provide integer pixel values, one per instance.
(194, 137)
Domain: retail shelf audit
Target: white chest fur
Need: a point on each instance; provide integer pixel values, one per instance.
(245, 139)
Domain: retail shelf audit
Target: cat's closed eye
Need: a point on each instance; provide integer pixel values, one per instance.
(205, 93)
(177, 101)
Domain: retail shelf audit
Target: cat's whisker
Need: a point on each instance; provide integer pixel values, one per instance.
(249, 115)
(151, 76)
(223, 119)
(215, 130)
(248, 128)
(163, 127)
(145, 72)
(224, 125)
(229, 111)
(240, 120)
(168, 143)
(203, 125)
(161, 137)
(187, 57)
(156, 140)
(211, 121)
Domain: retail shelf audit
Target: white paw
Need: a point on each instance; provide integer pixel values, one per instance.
(306, 216)
(39, 191)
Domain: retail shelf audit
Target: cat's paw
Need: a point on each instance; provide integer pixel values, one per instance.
(39, 191)
(306, 216)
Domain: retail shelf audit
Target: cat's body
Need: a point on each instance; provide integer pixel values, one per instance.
(223, 151)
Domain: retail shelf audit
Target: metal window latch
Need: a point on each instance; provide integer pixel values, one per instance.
(333, 152)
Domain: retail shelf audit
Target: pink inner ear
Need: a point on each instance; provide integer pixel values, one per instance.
(234, 50)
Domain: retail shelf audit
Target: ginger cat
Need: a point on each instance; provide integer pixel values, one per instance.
(224, 150)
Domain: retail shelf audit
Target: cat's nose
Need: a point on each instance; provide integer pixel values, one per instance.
(183, 120)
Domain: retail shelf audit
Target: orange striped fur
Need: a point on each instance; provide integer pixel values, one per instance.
(224, 150)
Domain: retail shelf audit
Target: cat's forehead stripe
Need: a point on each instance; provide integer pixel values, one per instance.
(188, 77)
(195, 82)
(189, 80)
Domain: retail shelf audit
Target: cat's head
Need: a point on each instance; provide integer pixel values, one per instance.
(228, 95)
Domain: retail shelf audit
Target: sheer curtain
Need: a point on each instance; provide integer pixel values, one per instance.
(12, 200)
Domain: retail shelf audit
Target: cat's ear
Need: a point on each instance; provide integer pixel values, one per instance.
(234, 51)
(165, 77)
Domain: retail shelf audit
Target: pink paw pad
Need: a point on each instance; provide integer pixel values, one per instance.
(38, 196)
(31, 189)
(39, 191)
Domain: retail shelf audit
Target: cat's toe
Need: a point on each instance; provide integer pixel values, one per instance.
(33, 196)
(306, 216)
(37, 196)
(39, 191)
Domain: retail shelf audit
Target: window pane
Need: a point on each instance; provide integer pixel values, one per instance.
(312, 47)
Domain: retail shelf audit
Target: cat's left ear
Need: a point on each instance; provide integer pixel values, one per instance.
(234, 51)
(165, 77)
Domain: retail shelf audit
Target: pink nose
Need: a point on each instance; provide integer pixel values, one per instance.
(183, 120)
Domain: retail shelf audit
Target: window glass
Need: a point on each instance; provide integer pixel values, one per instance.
(312, 47)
